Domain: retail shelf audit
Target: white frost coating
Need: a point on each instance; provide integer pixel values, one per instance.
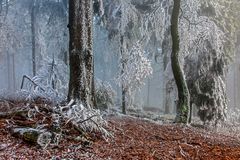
(101, 8)
(44, 139)
(52, 82)
(137, 67)
(84, 118)
(105, 94)
(195, 30)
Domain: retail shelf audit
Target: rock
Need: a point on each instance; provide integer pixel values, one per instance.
(40, 137)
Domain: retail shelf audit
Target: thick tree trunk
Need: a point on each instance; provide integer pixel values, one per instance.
(183, 93)
(81, 52)
(89, 56)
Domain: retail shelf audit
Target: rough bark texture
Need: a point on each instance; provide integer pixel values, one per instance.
(33, 22)
(123, 67)
(183, 93)
(81, 52)
(90, 59)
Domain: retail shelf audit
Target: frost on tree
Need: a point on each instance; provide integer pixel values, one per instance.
(81, 53)
(136, 68)
(200, 35)
(183, 92)
(203, 45)
(132, 27)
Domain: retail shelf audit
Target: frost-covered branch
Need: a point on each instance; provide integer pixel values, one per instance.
(137, 67)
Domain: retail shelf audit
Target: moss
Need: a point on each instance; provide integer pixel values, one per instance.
(183, 93)
(31, 136)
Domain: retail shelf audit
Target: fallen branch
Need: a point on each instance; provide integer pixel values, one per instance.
(28, 78)
(7, 115)
(89, 118)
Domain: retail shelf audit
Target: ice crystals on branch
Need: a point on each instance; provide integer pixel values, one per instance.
(195, 30)
(50, 82)
(83, 118)
(136, 68)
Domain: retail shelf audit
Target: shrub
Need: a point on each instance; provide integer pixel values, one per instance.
(105, 95)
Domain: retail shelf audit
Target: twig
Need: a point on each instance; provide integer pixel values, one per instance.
(28, 78)
(182, 152)
(88, 119)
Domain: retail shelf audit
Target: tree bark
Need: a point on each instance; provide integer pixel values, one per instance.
(13, 72)
(183, 93)
(0, 6)
(33, 22)
(123, 68)
(89, 56)
(81, 53)
(9, 71)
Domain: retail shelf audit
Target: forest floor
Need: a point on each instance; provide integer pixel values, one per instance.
(133, 138)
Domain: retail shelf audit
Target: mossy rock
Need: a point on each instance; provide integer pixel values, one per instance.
(27, 134)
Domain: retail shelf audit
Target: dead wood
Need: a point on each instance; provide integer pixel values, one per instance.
(7, 115)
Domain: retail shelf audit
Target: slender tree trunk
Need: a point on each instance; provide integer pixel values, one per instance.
(9, 71)
(148, 91)
(190, 112)
(0, 6)
(183, 93)
(81, 52)
(7, 6)
(33, 22)
(13, 71)
(167, 109)
(123, 100)
(123, 68)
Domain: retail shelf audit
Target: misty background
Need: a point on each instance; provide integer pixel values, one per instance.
(40, 27)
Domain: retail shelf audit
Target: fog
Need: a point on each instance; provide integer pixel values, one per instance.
(51, 43)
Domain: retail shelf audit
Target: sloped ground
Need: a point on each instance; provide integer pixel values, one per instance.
(138, 139)
(133, 139)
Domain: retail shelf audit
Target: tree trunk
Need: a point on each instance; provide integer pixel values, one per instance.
(123, 68)
(0, 6)
(183, 93)
(9, 71)
(81, 52)
(13, 72)
(33, 21)
(89, 56)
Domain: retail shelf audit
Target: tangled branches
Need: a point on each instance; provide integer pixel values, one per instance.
(47, 125)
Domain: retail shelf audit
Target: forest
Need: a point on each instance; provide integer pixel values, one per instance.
(120, 79)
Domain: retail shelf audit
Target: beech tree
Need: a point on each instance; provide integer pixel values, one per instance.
(81, 53)
(183, 93)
